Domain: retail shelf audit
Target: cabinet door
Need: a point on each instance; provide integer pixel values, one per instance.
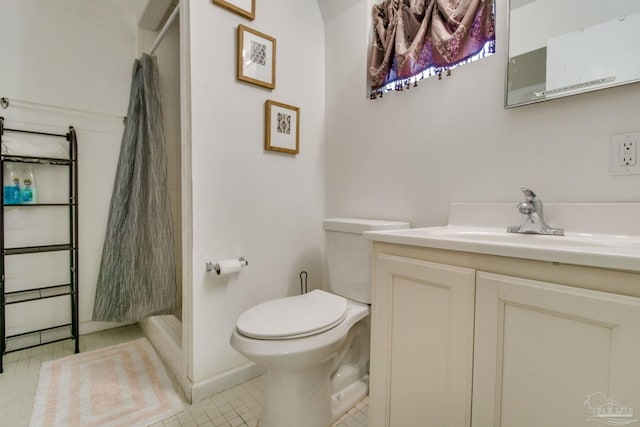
(553, 355)
(422, 343)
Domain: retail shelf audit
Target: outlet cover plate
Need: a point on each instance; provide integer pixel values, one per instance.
(617, 151)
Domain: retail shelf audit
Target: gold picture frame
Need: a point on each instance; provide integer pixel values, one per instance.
(246, 8)
(282, 127)
(256, 58)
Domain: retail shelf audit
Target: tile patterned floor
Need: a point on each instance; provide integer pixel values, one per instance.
(240, 407)
(236, 407)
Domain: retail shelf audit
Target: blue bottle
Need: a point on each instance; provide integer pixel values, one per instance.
(28, 189)
(11, 185)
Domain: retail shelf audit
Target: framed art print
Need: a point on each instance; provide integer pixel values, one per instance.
(282, 127)
(246, 8)
(256, 58)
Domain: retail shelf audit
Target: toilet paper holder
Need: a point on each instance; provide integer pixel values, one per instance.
(215, 265)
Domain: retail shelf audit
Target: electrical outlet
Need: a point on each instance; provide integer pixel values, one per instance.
(627, 156)
(623, 154)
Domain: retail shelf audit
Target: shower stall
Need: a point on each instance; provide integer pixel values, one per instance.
(160, 36)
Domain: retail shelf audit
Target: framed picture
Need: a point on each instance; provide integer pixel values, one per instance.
(282, 127)
(256, 58)
(246, 8)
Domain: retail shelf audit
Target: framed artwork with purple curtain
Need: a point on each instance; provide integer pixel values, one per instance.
(256, 58)
(246, 8)
(281, 127)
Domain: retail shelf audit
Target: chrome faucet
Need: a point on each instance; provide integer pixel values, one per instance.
(533, 217)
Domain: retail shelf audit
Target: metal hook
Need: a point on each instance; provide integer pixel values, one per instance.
(4, 102)
(303, 282)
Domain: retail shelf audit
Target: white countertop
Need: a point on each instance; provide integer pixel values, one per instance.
(603, 235)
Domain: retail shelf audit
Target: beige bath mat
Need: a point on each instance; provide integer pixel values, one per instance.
(122, 385)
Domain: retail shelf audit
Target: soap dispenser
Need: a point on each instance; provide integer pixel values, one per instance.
(11, 184)
(28, 190)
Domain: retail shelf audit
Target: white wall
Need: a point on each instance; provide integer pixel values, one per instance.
(248, 202)
(80, 55)
(409, 154)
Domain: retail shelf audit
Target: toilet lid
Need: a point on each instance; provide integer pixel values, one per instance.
(293, 317)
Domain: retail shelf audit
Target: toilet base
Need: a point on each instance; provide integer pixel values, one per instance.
(318, 396)
(347, 398)
(302, 399)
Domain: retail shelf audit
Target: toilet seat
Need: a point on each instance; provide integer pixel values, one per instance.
(293, 317)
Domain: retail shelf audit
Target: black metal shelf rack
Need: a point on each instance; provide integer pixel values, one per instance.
(67, 331)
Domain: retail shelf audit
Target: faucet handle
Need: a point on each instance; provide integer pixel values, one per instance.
(528, 194)
(532, 200)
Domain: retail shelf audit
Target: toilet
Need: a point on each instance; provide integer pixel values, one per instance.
(315, 346)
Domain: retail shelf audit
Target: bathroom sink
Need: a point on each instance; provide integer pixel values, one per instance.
(605, 235)
(595, 250)
(489, 236)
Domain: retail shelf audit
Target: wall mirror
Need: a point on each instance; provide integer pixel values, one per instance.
(562, 47)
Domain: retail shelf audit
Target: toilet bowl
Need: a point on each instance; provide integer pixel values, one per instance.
(312, 377)
(315, 346)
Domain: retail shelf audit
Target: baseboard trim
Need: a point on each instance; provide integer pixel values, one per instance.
(225, 381)
(91, 326)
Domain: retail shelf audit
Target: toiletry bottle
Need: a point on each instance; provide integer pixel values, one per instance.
(28, 190)
(11, 184)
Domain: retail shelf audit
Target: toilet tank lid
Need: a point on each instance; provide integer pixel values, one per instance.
(360, 225)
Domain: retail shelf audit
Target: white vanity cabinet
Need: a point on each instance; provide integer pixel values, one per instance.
(542, 349)
(464, 339)
(422, 343)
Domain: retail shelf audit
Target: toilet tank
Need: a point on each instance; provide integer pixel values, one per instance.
(349, 254)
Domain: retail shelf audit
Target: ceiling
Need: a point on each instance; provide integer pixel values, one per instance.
(333, 8)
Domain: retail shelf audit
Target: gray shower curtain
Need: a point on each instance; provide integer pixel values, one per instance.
(137, 272)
